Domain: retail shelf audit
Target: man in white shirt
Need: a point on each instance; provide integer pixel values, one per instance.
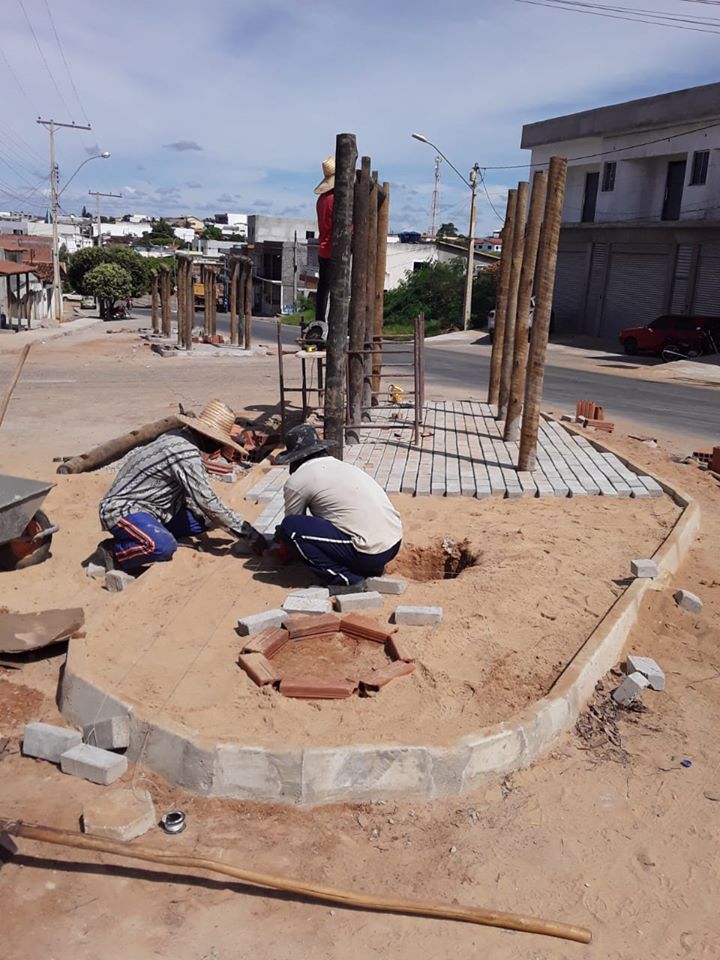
(338, 519)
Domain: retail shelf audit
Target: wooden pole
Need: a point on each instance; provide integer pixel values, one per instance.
(515, 267)
(544, 287)
(13, 382)
(114, 449)
(345, 160)
(358, 294)
(165, 299)
(370, 293)
(525, 291)
(189, 306)
(154, 295)
(248, 304)
(234, 329)
(380, 268)
(180, 312)
(207, 295)
(346, 898)
(503, 284)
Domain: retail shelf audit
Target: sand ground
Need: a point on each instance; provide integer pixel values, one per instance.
(626, 843)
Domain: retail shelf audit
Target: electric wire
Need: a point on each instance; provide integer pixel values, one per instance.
(44, 58)
(606, 12)
(67, 66)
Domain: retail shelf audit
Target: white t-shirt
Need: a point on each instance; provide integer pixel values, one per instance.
(349, 498)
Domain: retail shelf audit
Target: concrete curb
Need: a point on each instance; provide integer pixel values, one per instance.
(317, 775)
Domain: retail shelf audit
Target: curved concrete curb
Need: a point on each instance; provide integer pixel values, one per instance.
(328, 774)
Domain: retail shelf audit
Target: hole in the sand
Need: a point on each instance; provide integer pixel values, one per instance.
(441, 560)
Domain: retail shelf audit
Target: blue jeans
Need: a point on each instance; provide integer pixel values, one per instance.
(140, 538)
(330, 552)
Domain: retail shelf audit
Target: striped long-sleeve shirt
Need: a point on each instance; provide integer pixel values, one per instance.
(162, 478)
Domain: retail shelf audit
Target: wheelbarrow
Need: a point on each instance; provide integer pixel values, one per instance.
(25, 531)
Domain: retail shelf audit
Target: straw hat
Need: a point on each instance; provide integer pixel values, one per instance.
(215, 421)
(328, 181)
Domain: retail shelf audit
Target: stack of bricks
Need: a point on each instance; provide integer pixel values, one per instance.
(591, 414)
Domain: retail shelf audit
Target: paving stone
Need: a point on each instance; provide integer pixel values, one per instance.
(119, 814)
(94, 571)
(94, 764)
(388, 585)
(256, 622)
(644, 569)
(117, 580)
(113, 733)
(630, 689)
(688, 601)
(349, 602)
(648, 668)
(310, 592)
(311, 605)
(48, 742)
(258, 668)
(418, 616)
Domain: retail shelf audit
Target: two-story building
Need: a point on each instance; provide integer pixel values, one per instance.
(641, 223)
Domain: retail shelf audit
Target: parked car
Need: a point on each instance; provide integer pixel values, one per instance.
(672, 330)
(491, 320)
(87, 303)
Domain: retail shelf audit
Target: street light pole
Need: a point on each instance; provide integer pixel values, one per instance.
(52, 126)
(97, 194)
(472, 184)
(467, 306)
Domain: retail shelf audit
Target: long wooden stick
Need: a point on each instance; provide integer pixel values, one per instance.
(114, 449)
(490, 918)
(13, 382)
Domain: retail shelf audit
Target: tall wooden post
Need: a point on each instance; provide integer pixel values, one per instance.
(248, 304)
(358, 293)
(380, 268)
(345, 160)
(234, 330)
(165, 299)
(189, 307)
(180, 313)
(501, 295)
(515, 267)
(370, 293)
(154, 301)
(544, 287)
(527, 278)
(207, 293)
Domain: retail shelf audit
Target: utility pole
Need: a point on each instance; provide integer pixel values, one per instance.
(295, 272)
(471, 250)
(52, 126)
(97, 194)
(435, 199)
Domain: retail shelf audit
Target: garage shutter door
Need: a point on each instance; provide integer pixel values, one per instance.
(707, 284)
(683, 264)
(635, 290)
(569, 296)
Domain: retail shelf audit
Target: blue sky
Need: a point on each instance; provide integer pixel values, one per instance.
(232, 105)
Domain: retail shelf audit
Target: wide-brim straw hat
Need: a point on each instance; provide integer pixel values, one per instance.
(216, 421)
(328, 181)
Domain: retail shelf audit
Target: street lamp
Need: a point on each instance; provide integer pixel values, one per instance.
(470, 182)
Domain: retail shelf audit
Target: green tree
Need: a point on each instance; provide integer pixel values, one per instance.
(447, 230)
(438, 290)
(109, 282)
(86, 260)
(212, 233)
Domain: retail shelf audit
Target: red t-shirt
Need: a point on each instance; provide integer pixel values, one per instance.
(325, 204)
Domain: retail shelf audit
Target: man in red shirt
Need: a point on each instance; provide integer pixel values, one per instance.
(326, 200)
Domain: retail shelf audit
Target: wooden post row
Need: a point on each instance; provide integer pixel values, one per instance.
(165, 299)
(372, 243)
(155, 318)
(515, 267)
(248, 304)
(544, 288)
(345, 160)
(358, 293)
(234, 271)
(527, 278)
(503, 284)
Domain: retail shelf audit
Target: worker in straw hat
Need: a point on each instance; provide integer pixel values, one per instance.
(325, 205)
(338, 519)
(162, 493)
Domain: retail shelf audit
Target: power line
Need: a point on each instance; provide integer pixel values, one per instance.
(492, 205)
(64, 59)
(600, 11)
(44, 59)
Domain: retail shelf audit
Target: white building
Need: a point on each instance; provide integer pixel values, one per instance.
(261, 228)
(641, 222)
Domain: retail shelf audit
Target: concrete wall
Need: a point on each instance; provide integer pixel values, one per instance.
(261, 228)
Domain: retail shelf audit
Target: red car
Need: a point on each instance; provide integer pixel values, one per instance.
(672, 330)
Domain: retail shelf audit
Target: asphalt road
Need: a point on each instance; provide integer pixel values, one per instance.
(663, 407)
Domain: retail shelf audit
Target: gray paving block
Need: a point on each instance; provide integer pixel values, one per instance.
(112, 733)
(310, 605)
(418, 616)
(648, 668)
(310, 592)
(351, 602)
(119, 814)
(256, 622)
(688, 601)
(389, 585)
(117, 580)
(630, 689)
(94, 764)
(48, 742)
(644, 569)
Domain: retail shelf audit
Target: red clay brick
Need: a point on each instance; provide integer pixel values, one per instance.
(258, 668)
(398, 651)
(379, 678)
(607, 425)
(299, 626)
(268, 642)
(308, 688)
(356, 625)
